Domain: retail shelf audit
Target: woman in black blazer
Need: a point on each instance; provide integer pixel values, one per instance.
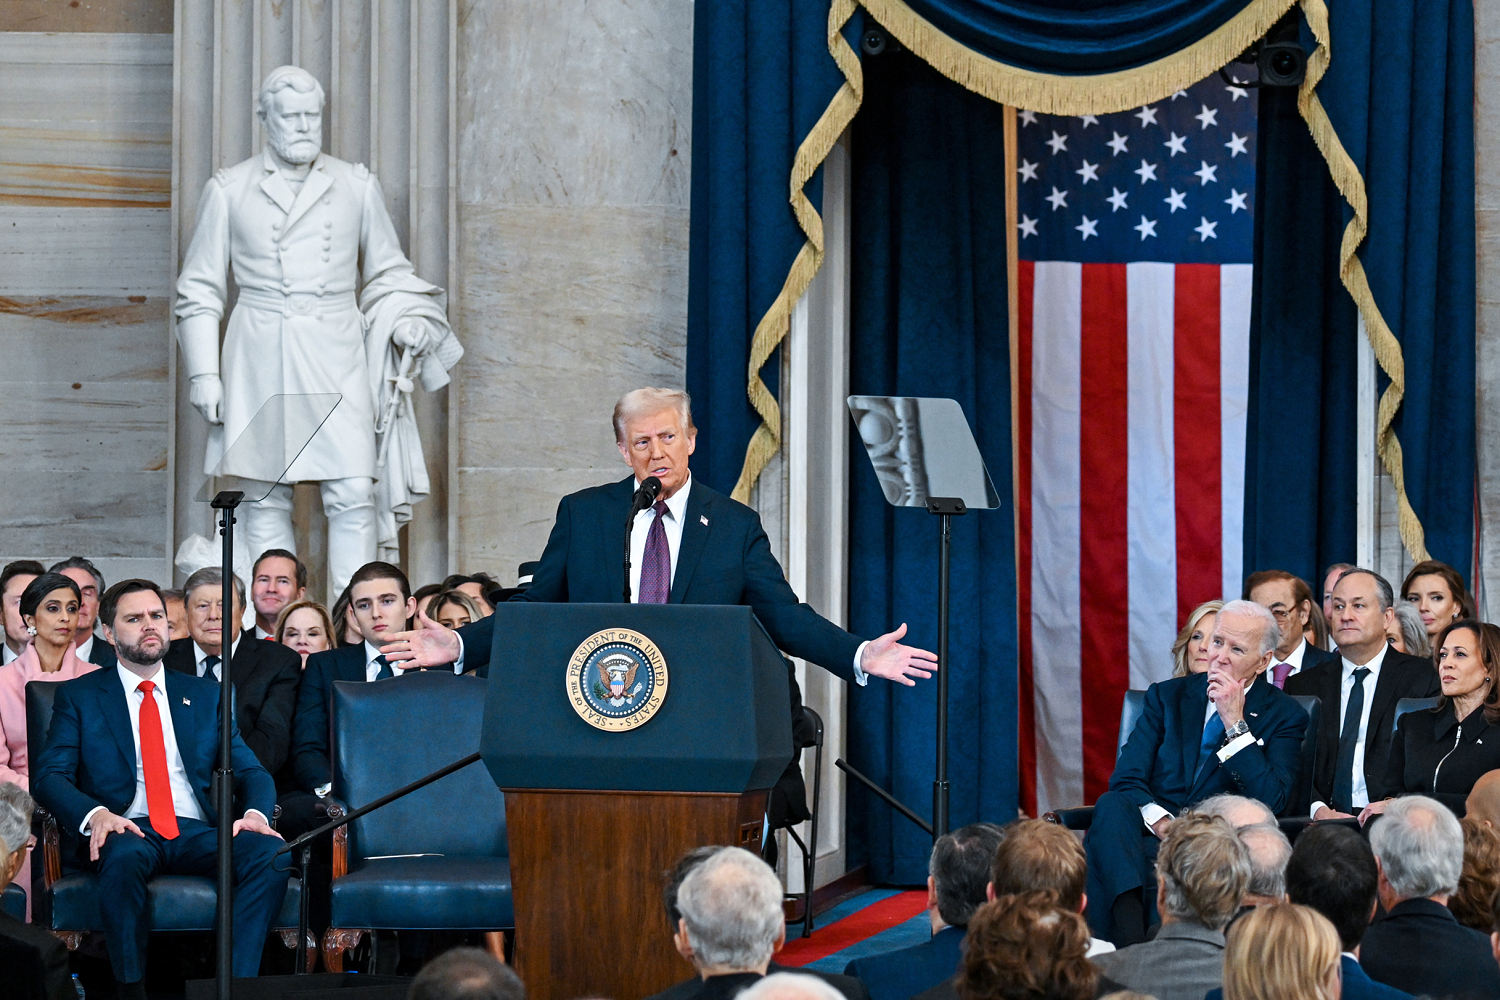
(1442, 752)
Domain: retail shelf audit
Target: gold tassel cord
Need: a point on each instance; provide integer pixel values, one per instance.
(773, 326)
(1383, 342)
(1093, 94)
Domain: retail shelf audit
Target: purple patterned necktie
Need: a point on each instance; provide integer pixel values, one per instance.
(656, 564)
(1279, 674)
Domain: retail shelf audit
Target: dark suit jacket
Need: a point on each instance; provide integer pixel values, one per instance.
(1160, 760)
(35, 962)
(724, 558)
(103, 653)
(1314, 656)
(1357, 985)
(313, 718)
(1419, 947)
(724, 987)
(1401, 676)
(1434, 755)
(898, 975)
(265, 677)
(90, 759)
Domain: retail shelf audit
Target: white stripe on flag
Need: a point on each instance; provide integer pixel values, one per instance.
(1151, 516)
(1235, 284)
(1056, 644)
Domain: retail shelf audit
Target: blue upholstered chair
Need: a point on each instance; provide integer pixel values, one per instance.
(436, 859)
(13, 901)
(69, 907)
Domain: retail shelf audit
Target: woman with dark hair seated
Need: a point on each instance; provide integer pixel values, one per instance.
(1026, 947)
(1440, 595)
(1442, 752)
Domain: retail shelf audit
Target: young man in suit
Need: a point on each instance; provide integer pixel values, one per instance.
(35, 962)
(692, 546)
(1224, 731)
(128, 764)
(381, 603)
(1359, 692)
(265, 674)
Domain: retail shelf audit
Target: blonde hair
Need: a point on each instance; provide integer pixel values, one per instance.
(279, 629)
(1180, 665)
(652, 399)
(1283, 951)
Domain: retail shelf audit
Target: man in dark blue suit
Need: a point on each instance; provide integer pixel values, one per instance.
(1223, 731)
(128, 763)
(712, 550)
(957, 883)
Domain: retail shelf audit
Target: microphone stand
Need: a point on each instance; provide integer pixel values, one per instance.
(645, 496)
(226, 501)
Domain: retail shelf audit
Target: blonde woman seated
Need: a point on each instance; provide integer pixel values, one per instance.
(306, 627)
(1190, 651)
(1282, 952)
(453, 609)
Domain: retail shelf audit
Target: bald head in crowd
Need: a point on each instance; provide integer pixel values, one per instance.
(1483, 802)
(1238, 811)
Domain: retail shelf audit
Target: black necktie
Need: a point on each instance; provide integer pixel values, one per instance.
(211, 666)
(1343, 776)
(385, 669)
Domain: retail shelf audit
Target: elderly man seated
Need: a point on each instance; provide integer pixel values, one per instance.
(1226, 730)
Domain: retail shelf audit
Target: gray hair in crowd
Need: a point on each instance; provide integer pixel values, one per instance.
(1420, 846)
(1270, 635)
(1238, 811)
(213, 576)
(1204, 869)
(731, 907)
(1383, 591)
(1413, 632)
(1269, 850)
(790, 986)
(15, 818)
(466, 974)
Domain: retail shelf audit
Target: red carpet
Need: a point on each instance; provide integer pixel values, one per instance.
(858, 926)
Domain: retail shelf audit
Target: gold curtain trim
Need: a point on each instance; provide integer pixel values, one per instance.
(1346, 177)
(773, 326)
(1097, 94)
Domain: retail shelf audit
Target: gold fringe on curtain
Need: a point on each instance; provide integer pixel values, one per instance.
(773, 326)
(1097, 94)
(1387, 348)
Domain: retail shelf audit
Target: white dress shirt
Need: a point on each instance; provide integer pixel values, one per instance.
(5, 653)
(85, 648)
(200, 655)
(1359, 796)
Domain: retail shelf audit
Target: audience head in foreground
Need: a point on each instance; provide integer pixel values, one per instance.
(1282, 952)
(1333, 871)
(1269, 850)
(1238, 811)
(1202, 872)
(790, 986)
(1026, 947)
(1473, 901)
(958, 873)
(16, 808)
(1420, 848)
(1037, 856)
(731, 914)
(466, 974)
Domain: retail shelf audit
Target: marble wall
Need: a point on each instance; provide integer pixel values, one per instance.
(571, 283)
(1487, 218)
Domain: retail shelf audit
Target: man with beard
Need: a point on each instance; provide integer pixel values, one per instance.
(327, 300)
(158, 818)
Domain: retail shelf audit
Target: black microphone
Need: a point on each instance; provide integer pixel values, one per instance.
(646, 495)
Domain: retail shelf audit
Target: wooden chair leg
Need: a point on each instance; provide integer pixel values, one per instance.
(336, 941)
(494, 943)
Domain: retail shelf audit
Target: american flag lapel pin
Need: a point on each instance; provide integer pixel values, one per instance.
(703, 519)
(186, 703)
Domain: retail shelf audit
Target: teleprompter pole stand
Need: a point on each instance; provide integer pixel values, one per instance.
(946, 508)
(226, 501)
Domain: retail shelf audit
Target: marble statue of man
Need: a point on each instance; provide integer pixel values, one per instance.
(328, 303)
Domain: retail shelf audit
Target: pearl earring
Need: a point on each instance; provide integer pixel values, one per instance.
(31, 630)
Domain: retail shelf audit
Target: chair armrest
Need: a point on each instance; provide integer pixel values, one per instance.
(337, 810)
(1076, 818)
(51, 841)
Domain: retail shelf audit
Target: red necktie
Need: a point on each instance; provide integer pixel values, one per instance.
(656, 563)
(154, 764)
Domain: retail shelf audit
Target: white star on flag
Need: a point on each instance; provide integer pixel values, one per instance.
(1118, 143)
(1028, 170)
(1058, 142)
(1059, 199)
(1177, 144)
(1146, 171)
(1206, 117)
(1146, 227)
(1235, 145)
(1206, 173)
(1088, 120)
(1117, 199)
(1028, 117)
(1028, 226)
(1175, 200)
(1088, 227)
(1236, 202)
(1205, 229)
(1089, 172)
(1147, 116)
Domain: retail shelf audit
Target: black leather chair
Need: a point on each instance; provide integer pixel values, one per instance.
(13, 901)
(69, 906)
(1082, 817)
(809, 736)
(1404, 705)
(437, 859)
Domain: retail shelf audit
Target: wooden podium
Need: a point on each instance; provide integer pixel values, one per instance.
(595, 815)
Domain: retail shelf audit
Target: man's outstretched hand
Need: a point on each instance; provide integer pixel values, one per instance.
(887, 657)
(432, 645)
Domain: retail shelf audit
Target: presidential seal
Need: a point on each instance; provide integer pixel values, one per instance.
(616, 680)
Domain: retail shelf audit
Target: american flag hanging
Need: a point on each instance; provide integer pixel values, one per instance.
(1135, 235)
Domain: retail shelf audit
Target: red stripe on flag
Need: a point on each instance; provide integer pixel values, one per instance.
(1197, 448)
(1025, 308)
(1103, 551)
(854, 928)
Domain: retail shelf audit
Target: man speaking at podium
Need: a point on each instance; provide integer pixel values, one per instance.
(688, 545)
